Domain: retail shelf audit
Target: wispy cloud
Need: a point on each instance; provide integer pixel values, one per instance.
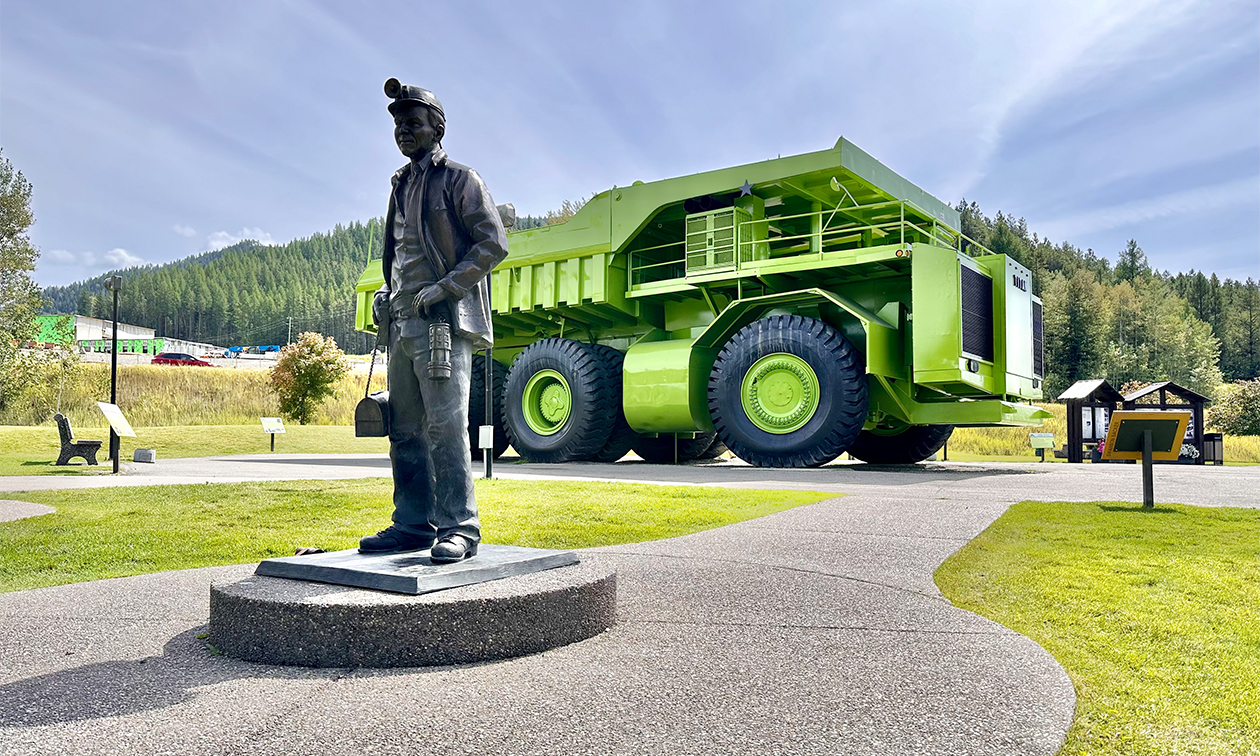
(93, 262)
(221, 239)
(1076, 111)
(1189, 202)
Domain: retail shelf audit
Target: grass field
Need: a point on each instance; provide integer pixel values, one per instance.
(129, 531)
(1152, 613)
(162, 395)
(31, 450)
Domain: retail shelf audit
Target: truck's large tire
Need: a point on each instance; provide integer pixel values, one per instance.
(559, 401)
(788, 391)
(660, 450)
(911, 444)
(477, 405)
(715, 450)
(622, 436)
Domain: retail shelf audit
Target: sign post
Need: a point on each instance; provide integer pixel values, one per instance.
(114, 284)
(1147, 435)
(271, 426)
(1041, 442)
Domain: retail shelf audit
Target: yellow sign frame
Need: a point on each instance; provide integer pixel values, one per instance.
(1118, 416)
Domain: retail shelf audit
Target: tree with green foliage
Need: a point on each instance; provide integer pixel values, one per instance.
(1237, 411)
(20, 298)
(1073, 318)
(306, 374)
(1132, 263)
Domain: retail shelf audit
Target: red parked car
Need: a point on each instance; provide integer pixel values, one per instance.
(179, 358)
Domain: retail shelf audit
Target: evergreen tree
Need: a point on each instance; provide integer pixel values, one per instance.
(1132, 263)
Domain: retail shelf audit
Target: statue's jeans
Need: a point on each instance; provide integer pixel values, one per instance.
(433, 486)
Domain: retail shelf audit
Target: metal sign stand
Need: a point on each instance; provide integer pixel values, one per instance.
(485, 434)
(1148, 470)
(114, 284)
(1144, 435)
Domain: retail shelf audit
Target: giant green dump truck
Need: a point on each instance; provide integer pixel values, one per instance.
(789, 310)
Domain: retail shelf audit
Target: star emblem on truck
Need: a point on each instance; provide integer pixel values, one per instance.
(746, 189)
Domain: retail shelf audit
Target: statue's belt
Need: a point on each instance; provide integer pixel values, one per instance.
(400, 302)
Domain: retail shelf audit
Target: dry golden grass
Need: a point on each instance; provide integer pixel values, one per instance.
(162, 395)
(1013, 442)
(157, 395)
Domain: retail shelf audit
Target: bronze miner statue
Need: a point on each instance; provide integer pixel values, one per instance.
(443, 236)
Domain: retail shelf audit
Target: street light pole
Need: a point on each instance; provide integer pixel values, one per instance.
(114, 284)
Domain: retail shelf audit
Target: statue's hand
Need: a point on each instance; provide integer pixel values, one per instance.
(427, 298)
(380, 306)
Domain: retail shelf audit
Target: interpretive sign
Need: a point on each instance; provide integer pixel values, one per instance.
(1124, 437)
(116, 419)
(272, 426)
(1041, 442)
(1146, 435)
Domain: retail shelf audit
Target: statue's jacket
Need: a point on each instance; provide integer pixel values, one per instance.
(462, 229)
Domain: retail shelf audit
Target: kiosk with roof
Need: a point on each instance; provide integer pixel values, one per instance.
(1089, 407)
(1197, 447)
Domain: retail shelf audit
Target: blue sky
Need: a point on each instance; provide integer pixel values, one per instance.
(156, 130)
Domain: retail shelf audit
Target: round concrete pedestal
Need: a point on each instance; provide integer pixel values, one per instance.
(295, 622)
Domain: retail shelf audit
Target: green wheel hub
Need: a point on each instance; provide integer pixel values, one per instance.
(546, 402)
(780, 393)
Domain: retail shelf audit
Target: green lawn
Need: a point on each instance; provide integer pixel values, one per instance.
(31, 450)
(128, 531)
(1152, 613)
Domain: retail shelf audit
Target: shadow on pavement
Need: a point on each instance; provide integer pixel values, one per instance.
(728, 472)
(119, 688)
(382, 461)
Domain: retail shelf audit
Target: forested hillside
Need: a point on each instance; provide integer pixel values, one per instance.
(1126, 321)
(244, 294)
(1122, 321)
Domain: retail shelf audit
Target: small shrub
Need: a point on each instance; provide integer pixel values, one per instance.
(1237, 411)
(306, 373)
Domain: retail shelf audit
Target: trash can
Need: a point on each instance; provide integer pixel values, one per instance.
(1214, 448)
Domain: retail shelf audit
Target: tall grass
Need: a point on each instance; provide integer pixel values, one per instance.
(162, 395)
(1009, 441)
(1013, 442)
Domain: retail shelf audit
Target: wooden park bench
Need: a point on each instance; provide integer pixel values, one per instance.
(71, 448)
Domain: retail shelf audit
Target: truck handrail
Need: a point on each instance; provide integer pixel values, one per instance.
(836, 226)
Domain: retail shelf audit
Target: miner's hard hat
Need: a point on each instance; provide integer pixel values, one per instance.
(404, 95)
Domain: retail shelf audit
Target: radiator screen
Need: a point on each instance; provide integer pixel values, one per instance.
(977, 314)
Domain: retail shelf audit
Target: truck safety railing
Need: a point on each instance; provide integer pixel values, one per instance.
(837, 229)
(832, 230)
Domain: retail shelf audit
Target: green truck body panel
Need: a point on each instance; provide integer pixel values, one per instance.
(668, 271)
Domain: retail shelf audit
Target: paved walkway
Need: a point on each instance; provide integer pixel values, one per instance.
(815, 630)
(1009, 481)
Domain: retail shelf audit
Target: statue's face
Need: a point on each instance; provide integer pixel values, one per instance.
(416, 130)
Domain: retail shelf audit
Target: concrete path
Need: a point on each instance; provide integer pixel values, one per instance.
(817, 630)
(11, 510)
(1009, 481)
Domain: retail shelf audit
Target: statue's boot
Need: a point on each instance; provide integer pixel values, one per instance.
(453, 548)
(392, 539)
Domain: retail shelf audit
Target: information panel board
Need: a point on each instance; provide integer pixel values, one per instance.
(116, 419)
(272, 425)
(1124, 437)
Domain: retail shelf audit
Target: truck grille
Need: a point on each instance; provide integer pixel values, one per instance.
(977, 314)
(1039, 343)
